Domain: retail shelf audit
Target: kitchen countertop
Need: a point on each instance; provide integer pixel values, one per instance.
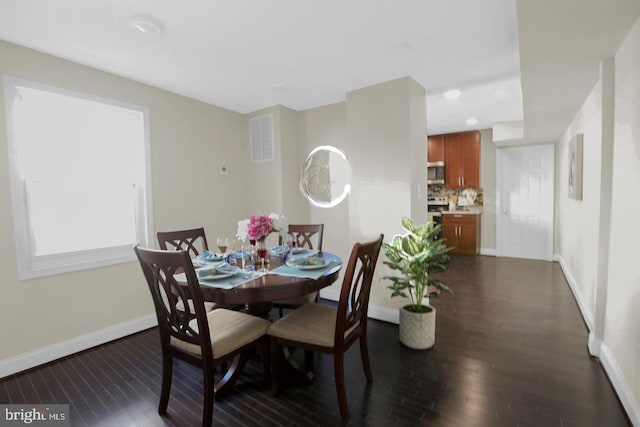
(467, 210)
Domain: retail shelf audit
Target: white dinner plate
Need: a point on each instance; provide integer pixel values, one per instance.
(311, 266)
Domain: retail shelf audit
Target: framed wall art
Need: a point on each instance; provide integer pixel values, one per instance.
(575, 167)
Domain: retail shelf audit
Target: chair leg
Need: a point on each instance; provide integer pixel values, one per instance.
(265, 349)
(167, 373)
(223, 386)
(275, 365)
(341, 392)
(280, 312)
(209, 395)
(364, 353)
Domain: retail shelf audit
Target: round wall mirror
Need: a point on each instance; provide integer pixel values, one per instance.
(325, 177)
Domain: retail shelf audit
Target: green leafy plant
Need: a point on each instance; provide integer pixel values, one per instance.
(417, 255)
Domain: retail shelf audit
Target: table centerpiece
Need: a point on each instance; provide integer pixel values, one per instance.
(257, 228)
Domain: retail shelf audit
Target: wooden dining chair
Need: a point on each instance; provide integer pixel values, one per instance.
(201, 338)
(307, 236)
(323, 328)
(192, 241)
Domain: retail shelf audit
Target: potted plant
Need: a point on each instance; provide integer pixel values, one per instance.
(417, 255)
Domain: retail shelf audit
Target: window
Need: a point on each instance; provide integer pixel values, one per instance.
(80, 178)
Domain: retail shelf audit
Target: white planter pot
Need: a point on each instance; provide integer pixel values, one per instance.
(418, 330)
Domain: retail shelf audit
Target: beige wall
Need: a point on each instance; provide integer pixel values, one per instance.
(578, 221)
(294, 205)
(622, 327)
(607, 292)
(417, 116)
(264, 177)
(327, 126)
(274, 185)
(379, 132)
(488, 184)
(189, 140)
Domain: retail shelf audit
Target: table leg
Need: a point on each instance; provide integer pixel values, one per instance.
(260, 309)
(288, 364)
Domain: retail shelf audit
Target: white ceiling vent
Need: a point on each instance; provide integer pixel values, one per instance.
(262, 138)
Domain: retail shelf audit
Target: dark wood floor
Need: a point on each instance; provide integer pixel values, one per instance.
(510, 351)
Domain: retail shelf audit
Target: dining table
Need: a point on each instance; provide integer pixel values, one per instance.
(257, 290)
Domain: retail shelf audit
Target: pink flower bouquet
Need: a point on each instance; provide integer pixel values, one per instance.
(258, 227)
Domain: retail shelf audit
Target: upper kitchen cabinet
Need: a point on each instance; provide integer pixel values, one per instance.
(462, 159)
(435, 149)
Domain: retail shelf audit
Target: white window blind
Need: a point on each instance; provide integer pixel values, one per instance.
(80, 178)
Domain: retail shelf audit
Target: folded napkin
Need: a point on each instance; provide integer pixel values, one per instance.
(218, 268)
(300, 257)
(305, 253)
(231, 282)
(279, 250)
(207, 256)
(304, 261)
(329, 268)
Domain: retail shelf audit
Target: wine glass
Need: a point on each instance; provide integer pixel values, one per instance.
(290, 241)
(223, 243)
(262, 253)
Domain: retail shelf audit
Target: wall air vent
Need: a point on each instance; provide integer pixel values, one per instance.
(262, 138)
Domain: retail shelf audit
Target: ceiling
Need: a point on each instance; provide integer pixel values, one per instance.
(247, 55)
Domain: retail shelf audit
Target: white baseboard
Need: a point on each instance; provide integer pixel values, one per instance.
(586, 313)
(594, 345)
(600, 349)
(65, 348)
(330, 294)
(488, 252)
(621, 386)
(386, 314)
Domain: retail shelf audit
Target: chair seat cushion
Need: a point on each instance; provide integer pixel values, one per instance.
(311, 323)
(296, 302)
(208, 306)
(228, 331)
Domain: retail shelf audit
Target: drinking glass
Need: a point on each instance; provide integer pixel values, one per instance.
(232, 252)
(223, 243)
(247, 258)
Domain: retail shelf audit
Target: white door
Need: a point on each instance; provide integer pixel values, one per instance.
(525, 196)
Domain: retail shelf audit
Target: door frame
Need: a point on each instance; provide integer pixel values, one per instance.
(500, 251)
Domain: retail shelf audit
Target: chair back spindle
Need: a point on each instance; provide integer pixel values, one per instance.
(356, 288)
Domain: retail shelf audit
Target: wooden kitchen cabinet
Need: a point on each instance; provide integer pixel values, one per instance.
(462, 159)
(462, 232)
(435, 148)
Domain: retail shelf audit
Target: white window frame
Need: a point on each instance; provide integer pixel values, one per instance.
(31, 265)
